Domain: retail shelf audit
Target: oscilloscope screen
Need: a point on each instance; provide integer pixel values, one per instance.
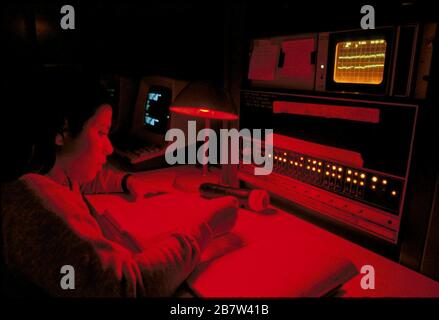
(360, 62)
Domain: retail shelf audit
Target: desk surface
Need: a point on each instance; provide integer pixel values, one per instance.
(391, 279)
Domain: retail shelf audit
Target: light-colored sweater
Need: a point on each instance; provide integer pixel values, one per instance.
(46, 225)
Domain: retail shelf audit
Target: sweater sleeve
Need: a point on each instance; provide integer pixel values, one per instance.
(37, 243)
(108, 180)
(166, 264)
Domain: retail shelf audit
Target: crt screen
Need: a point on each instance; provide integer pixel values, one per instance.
(360, 62)
(158, 100)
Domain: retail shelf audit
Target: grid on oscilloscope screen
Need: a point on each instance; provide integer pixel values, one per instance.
(360, 62)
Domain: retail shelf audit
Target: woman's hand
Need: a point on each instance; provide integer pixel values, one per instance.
(222, 214)
(139, 187)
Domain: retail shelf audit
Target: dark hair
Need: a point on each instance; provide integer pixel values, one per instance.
(68, 100)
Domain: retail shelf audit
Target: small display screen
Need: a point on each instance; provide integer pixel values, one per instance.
(157, 104)
(360, 62)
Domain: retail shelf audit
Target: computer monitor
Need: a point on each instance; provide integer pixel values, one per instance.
(151, 112)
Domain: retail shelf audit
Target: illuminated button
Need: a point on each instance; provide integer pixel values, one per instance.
(393, 193)
(340, 169)
(301, 158)
(320, 163)
(348, 179)
(275, 157)
(269, 155)
(309, 160)
(295, 163)
(318, 170)
(339, 176)
(374, 179)
(280, 158)
(308, 167)
(373, 187)
(322, 66)
(313, 169)
(291, 162)
(327, 173)
(361, 183)
(285, 153)
(384, 182)
(300, 165)
(314, 162)
(285, 160)
(334, 167)
(333, 175)
(355, 173)
(362, 176)
(328, 166)
(355, 181)
(349, 171)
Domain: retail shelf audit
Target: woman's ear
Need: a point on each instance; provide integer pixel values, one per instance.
(59, 139)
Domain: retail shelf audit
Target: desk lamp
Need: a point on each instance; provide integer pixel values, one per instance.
(202, 100)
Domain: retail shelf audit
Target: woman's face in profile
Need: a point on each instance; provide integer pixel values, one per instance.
(87, 153)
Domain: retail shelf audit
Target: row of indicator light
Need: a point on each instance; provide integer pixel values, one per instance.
(362, 177)
(333, 174)
(314, 165)
(334, 168)
(354, 181)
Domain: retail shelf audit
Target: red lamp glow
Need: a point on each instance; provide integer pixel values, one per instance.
(204, 113)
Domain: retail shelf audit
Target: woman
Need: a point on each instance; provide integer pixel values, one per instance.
(48, 223)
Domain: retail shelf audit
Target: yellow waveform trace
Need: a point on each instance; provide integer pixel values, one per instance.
(362, 67)
(363, 56)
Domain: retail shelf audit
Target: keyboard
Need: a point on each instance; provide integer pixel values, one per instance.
(136, 155)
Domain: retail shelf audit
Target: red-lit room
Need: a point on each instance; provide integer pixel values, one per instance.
(220, 150)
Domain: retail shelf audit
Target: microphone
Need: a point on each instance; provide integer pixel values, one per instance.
(256, 200)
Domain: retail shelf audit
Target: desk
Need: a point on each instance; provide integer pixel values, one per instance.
(391, 279)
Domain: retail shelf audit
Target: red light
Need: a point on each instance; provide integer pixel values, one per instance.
(204, 112)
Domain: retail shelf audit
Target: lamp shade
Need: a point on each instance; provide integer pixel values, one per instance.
(204, 95)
